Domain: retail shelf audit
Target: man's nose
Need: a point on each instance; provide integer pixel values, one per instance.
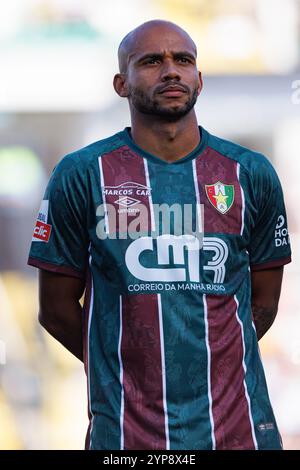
(170, 71)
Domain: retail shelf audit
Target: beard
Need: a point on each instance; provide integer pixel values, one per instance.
(145, 105)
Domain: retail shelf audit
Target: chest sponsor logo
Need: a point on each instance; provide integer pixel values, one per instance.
(220, 195)
(126, 195)
(130, 188)
(42, 230)
(183, 251)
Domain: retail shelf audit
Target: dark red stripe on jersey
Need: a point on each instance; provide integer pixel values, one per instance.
(87, 443)
(67, 270)
(212, 167)
(232, 425)
(271, 264)
(125, 188)
(144, 419)
(85, 324)
(86, 313)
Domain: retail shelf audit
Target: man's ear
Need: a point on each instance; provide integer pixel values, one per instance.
(120, 85)
(200, 83)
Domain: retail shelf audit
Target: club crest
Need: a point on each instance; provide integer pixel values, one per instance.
(220, 195)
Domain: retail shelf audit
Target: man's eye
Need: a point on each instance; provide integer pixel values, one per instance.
(185, 59)
(151, 61)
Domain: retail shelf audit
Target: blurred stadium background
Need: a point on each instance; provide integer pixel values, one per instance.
(57, 61)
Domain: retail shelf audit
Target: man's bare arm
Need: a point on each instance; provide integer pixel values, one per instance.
(60, 311)
(266, 287)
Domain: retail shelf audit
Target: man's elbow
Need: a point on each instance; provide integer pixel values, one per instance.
(263, 316)
(269, 308)
(48, 320)
(42, 318)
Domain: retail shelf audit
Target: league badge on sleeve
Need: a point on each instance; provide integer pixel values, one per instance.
(42, 230)
(220, 195)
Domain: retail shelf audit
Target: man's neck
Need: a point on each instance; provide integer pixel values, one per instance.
(169, 141)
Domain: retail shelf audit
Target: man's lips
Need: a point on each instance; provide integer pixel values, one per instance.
(172, 91)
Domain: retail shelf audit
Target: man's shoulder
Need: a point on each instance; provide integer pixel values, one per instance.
(85, 156)
(251, 160)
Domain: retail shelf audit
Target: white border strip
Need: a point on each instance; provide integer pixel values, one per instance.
(198, 202)
(243, 198)
(163, 367)
(121, 379)
(88, 349)
(209, 375)
(103, 195)
(150, 196)
(245, 372)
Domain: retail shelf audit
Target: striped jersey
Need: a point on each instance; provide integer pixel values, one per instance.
(166, 251)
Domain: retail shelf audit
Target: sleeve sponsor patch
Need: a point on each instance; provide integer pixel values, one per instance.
(42, 230)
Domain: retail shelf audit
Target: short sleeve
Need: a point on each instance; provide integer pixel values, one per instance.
(270, 244)
(60, 238)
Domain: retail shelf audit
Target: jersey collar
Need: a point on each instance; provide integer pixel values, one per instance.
(125, 134)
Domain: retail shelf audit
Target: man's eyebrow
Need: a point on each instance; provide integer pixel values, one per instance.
(184, 54)
(159, 55)
(150, 55)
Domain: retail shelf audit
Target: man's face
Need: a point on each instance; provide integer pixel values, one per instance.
(162, 78)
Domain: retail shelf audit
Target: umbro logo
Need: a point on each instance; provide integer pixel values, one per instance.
(127, 201)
